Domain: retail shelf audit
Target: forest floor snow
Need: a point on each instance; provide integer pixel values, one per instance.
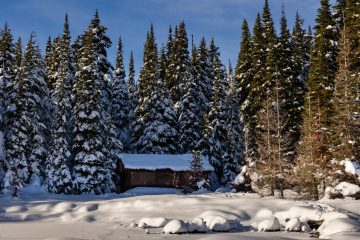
(38, 215)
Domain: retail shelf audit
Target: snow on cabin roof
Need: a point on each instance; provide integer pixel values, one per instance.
(177, 162)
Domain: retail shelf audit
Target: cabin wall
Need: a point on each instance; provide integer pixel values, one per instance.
(131, 178)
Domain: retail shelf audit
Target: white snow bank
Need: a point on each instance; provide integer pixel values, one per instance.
(293, 225)
(338, 225)
(152, 222)
(219, 224)
(175, 227)
(176, 162)
(351, 167)
(240, 178)
(347, 189)
(268, 225)
(197, 225)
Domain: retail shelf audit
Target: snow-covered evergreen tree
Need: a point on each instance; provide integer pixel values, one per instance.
(203, 77)
(292, 87)
(7, 79)
(154, 130)
(120, 100)
(234, 143)
(131, 91)
(93, 169)
(189, 118)
(26, 147)
(323, 64)
(178, 73)
(213, 143)
(57, 170)
(256, 93)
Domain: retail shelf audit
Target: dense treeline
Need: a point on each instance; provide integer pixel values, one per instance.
(289, 110)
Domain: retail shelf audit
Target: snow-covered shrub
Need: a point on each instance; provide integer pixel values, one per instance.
(176, 227)
(293, 225)
(269, 225)
(343, 189)
(152, 222)
(197, 225)
(219, 224)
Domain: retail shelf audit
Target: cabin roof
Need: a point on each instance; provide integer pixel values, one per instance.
(175, 162)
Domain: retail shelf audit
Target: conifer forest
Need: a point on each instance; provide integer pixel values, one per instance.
(285, 116)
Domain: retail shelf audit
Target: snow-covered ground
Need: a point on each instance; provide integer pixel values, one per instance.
(38, 215)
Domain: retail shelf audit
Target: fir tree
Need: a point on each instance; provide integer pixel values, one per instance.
(93, 169)
(57, 170)
(154, 130)
(7, 79)
(189, 118)
(48, 51)
(234, 142)
(215, 130)
(26, 147)
(292, 88)
(323, 61)
(203, 77)
(120, 99)
(131, 89)
(270, 41)
(256, 93)
(196, 167)
(178, 73)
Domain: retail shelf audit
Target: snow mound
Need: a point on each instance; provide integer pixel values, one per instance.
(304, 213)
(240, 178)
(152, 222)
(338, 225)
(197, 225)
(351, 167)
(176, 227)
(63, 207)
(219, 224)
(88, 208)
(269, 225)
(293, 225)
(347, 189)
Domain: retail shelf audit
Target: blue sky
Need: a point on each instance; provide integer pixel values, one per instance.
(221, 19)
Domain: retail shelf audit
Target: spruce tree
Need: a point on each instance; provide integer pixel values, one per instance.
(189, 118)
(256, 94)
(203, 77)
(131, 90)
(234, 141)
(120, 100)
(26, 146)
(57, 170)
(292, 90)
(270, 41)
(178, 73)
(214, 138)
(7, 78)
(48, 51)
(323, 61)
(154, 129)
(93, 167)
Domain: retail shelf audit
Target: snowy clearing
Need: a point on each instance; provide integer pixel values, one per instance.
(217, 215)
